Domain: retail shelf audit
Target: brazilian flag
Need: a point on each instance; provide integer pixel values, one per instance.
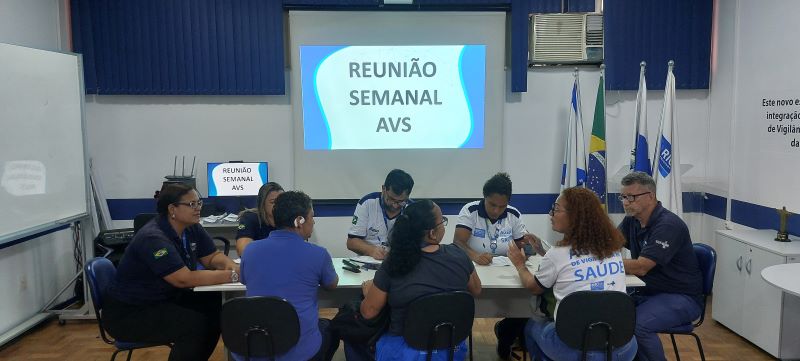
(597, 146)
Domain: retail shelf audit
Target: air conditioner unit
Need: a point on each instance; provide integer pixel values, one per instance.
(573, 38)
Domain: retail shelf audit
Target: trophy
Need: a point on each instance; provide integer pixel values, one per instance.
(783, 235)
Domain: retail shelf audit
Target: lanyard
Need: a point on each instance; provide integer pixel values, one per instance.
(492, 238)
(186, 248)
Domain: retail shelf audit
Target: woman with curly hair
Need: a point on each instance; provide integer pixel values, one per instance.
(417, 265)
(587, 258)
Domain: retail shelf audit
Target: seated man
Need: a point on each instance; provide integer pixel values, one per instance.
(484, 230)
(286, 266)
(375, 215)
(663, 257)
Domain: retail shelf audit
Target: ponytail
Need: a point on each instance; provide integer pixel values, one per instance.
(407, 236)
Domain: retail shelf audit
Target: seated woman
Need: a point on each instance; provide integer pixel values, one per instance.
(417, 265)
(286, 266)
(590, 238)
(150, 300)
(257, 223)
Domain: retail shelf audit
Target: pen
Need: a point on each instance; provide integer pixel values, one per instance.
(351, 269)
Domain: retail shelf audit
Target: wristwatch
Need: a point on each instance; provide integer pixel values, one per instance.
(234, 276)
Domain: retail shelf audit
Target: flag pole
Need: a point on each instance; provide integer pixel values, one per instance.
(642, 72)
(635, 151)
(605, 128)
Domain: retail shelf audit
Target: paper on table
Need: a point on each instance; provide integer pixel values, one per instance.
(366, 259)
(213, 218)
(500, 261)
(233, 217)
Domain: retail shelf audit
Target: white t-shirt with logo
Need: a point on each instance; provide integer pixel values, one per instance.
(565, 272)
(486, 236)
(370, 223)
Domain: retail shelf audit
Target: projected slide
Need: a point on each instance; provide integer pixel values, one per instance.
(393, 97)
(236, 179)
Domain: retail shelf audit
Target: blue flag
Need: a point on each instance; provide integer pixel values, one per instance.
(573, 170)
(640, 152)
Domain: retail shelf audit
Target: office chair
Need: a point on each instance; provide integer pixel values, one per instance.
(707, 260)
(142, 218)
(596, 320)
(440, 321)
(99, 273)
(259, 326)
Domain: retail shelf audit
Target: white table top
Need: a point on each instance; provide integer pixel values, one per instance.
(491, 277)
(783, 276)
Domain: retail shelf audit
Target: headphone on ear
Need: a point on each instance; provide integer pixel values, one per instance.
(297, 223)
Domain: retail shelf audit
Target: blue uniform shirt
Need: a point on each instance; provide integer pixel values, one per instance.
(666, 242)
(286, 266)
(155, 252)
(251, 226)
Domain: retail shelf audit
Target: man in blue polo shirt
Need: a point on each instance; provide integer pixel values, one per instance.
(663, 257)
(375, 215)
(286, 266)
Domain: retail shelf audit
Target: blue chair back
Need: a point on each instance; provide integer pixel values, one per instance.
(99, 274)
(707, 260)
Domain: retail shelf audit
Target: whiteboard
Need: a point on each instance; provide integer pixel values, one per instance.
(43, 174)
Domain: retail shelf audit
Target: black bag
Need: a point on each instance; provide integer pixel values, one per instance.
(352, 327)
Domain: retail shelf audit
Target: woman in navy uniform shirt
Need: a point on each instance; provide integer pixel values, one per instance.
(150, 300)
(255, 224)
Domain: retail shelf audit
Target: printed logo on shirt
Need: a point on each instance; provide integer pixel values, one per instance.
(480, 233)
(663, 244)
(355, 219)
(597, 286)
(242, 226)
(160, 253)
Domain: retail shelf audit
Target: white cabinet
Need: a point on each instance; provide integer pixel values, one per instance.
(744, 302)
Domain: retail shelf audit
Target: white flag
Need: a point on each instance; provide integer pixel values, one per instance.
(640, 151)
(573, 170)
(667, 164)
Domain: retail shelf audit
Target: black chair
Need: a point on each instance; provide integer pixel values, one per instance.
(440, 321)
(259, 326)
(142, 218)
(99, 273)
(707, 260)
(609, 325)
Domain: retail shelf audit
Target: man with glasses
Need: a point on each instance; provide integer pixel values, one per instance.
(663, 257)
(375, 215)
(484, 230)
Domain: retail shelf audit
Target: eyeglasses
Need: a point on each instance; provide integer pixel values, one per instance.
(443, 222)
(555, 208)
(630, 197)
(400, 203)
(192, 204)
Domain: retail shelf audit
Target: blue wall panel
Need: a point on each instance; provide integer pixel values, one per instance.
(180, 47)
(656, 31)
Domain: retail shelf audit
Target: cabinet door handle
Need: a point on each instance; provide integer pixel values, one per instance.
(749, 265)
(739, 264)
